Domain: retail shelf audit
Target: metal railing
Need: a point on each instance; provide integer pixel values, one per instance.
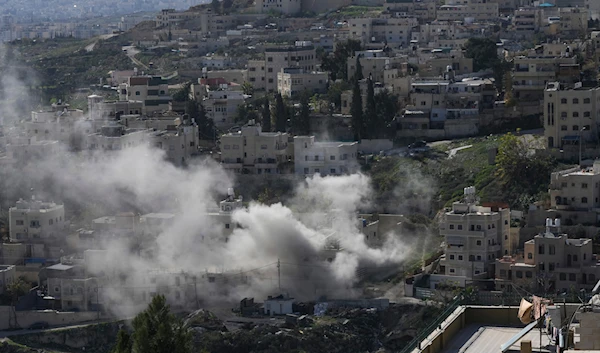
(432, 326)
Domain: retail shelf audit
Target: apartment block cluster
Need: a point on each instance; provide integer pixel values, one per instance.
(72, 266)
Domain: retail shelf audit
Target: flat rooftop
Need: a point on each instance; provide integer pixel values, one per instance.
(476, 338)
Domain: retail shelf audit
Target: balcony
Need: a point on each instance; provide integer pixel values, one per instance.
(464, 233)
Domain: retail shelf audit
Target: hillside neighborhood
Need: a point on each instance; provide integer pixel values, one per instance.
(300, 176)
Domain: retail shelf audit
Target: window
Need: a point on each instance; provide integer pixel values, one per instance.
(575, 127)
(575, 100)
(584, 200)
(451, 257)
(34, 224)
(460, 227)
(478, 242)
(263, 147)
(551, 249)
(451, 226)
(478, 257)
(460, 257)
(592, 278)
(586, 114)
(316, 158)
(332, 158)
(563, 114)
(502, 273)
(270, 59)
(541, 266)
(576, 114)
(51, 221)
(332, 170)
(562, 276)
(586, 101)
(19, 222)
(563, 128)
(574, 258)
(452, 270)
(563, 101)
(541, 249)
(551, 266)
(584, 185)
(137, 93)
(519, 274)
(305, 170)
(471, 257)
(572, 277)
(528, 274)
(226, 225)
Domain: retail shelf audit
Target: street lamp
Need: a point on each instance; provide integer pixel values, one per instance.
(580, 131)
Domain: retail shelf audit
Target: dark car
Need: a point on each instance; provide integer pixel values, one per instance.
(418, 144)
(39, 325)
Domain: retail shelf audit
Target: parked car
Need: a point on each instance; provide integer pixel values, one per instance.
(41, 325)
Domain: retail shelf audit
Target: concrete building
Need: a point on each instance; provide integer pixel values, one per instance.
(255, 152)
(395, 31)
(570, 113)
(527, 21)
(325, 158)
(441, 108)
(69, 287)
(288, 7)
(292, 82)
(375, 64)
(179, 142)
(222, 106)
(35, 221)
(21, 150)
(279, 305)
(424, 11)
(151, 91)
(7, 276)
(116, 137)
(552, 262)
(533, 71)
(263, 73)
(475, 237)
(468, 11)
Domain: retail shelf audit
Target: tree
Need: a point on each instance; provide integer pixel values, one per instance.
(519, 168)
(337, 63)
(358, 74)
(183, 94)
(334, 93)
(483, 51)
(266, 116)
(206, 126)
(155, 330)
(14, 291)
(123, 342)
(280, 114)
(387, 107)
(501, 68)
(302, 119)
(227, 4)
(371, 117)
(247, 88)
(356, 110)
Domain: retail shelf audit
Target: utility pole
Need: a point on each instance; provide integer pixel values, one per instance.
(279, 274)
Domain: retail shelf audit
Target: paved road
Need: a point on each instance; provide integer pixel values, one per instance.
(131, 52)
(4, 334)
(452, 152)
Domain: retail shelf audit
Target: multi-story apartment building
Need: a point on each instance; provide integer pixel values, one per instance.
(551, 262)
(116, 137)
(325, 158)
(69, 287)
(256, 152)
(179, 142)
(468, 11)
(151, 91)
(475, 237)
(23, 149)
(532, 72)
(570, 113)
(527, 21)
(293, 81)
(302, 55)
(222, 105)
(35, 221)
(395, 31)
(288, 7)
(424, 11)
(443, 108)
(374, 64)
(573, 21)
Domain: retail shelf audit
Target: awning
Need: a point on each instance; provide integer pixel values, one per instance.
(570, 138)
